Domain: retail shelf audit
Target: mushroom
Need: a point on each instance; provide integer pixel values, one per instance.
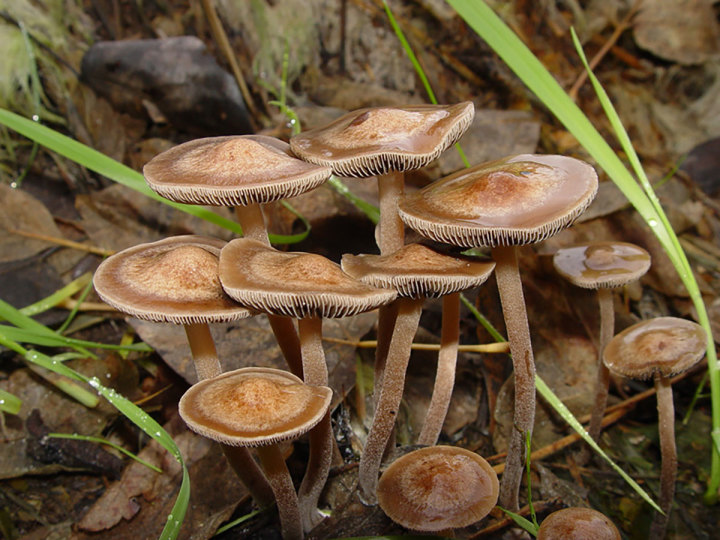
(603, 266)
(176, 280)
(437, 489)
(385, 142)
(503, 204)
(578, 523)
(416, 272)
(259, 407)
(246, 172)
(308, 287)
(659, 348)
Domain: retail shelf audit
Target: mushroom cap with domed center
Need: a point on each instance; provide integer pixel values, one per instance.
(517, 200)
(578, 524)
(171, 280)
(417, 271)
(232, 171)
(596, 265)
(379, 140)
(664, 345)
(438, 488)
(294, 284)
(253, 406)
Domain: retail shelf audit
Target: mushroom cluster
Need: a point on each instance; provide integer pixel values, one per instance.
(507, 203)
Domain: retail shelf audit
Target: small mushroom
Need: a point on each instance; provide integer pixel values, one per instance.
(307, 287)
(245, 171)
(416, 272)
(437, 489)
(659, 348)
(603, 266)
(259, 407)
(176, 280)
(578, 523)
(503, 204)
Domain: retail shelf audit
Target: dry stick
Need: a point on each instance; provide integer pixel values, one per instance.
(518, 332)
(445, 375)
(63, 242)
(498, 347)
(388, 403)
(668, 454)
(252, 221)
(321, 436)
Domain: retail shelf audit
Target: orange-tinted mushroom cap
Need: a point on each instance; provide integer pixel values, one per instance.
(253, 406)
(664, 345)
(598, 265)
(294, 284)
(172, 280)
(231, 171)
(376, 141)
(416, 270)
(513, 201)
(577, 524)
(438, 488)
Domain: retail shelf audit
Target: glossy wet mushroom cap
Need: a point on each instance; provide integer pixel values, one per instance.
(379, 140)
(171, 280)
(513, 201)
(438, 488)
(231, 171)
(294, 284)
(578, 524)
(416, 270)
(253, 407)
(664, 345)
(602, 264)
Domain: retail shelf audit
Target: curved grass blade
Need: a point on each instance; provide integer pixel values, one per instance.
(9, 403)
(100, 440)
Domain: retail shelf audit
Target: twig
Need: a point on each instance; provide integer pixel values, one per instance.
(63, 242)
(371, 343)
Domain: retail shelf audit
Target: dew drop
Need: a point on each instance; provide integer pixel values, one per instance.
(35, 118)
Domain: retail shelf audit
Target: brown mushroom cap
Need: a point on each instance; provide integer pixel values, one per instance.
(253, 406)
(437, 488)
(171, 280)
(664, 345)
(294, 284)
(578, 524)
(513, 201)
(417, 271)
(598, 265)
(231, 171)
(379, 140)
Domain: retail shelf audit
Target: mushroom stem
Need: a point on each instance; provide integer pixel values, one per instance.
(321, 436)
(602, 383)
(386, 324)
(668, 453)
(202, 347)
(445, 376)
(252, 221)
(408, 318)
(518, 331)
(285, 496)
(390, 234)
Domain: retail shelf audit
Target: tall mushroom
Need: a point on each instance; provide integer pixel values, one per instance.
(514, 201)
(308, 287)
(603, 266)
(416, 272)
(259, 407)
(437, 489)
(176, 280)
(246, 172)
(659, 348)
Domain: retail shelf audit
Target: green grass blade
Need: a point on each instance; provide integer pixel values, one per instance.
(114, 170)
(100, 440)
(371, 211)
(9, 403)
(58, 296)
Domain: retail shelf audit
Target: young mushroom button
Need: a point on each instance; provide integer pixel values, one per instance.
(437, 489)
(658, 349)
(603, 266)
(503, 204)
(259, 407)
